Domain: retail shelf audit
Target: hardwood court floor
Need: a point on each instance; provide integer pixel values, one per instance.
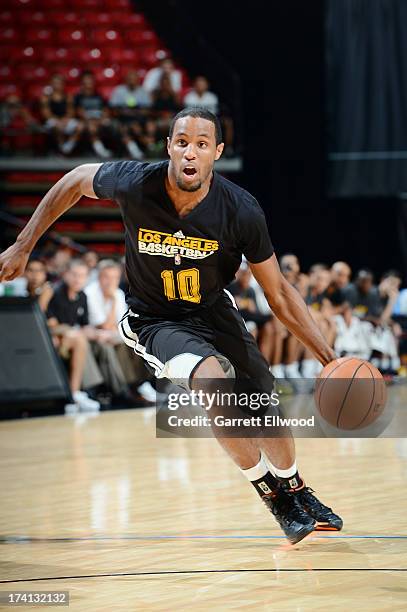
(124, 521)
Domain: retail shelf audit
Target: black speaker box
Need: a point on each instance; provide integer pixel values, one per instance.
(33, 380)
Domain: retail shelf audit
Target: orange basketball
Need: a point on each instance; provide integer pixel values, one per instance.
(350, 393)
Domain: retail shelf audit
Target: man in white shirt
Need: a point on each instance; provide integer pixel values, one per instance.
(106, 306)
(201, 96)
(152, 79)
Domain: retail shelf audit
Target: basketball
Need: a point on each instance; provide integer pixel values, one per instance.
(350, 393)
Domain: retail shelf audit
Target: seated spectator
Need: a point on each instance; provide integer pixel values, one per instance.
(368, 303)
(106, 307)
(319, 281)
(130, 100)
(153, 77)
(130, 104)
(257, 323)
(91, 259)
(288, 349)
(92, 109)
(364, 297)
(153, 140)
(340, 279)
(58, 113)
(290, 268)
(67, 313)
(165, 99)
(37, 285)
(16, 125)
(353, 336)
(201, 96)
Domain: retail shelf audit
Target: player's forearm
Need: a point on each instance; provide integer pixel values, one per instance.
(64, 194)
(291, 310)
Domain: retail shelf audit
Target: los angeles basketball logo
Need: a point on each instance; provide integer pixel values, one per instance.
(175, 245)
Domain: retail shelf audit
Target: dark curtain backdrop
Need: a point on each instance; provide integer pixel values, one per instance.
(366, 91)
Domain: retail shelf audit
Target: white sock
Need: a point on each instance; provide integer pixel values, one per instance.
(292, 370)
(287, 473)
(309, 368)
(277, 370)
(395, 363)
(385, 363)
(257, 471)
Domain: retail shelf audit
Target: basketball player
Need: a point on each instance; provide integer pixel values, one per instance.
(186, 228)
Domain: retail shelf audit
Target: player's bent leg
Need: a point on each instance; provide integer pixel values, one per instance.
(284, 506)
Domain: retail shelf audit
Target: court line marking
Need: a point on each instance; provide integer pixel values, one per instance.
(222, 571)
(16, 539)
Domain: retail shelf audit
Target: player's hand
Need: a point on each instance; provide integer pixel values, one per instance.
(13, 262)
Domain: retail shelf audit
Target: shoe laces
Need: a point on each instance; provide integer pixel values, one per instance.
(286, 504)
(308, 497)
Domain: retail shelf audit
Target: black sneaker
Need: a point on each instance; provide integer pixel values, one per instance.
(293, 519)
(325, 519)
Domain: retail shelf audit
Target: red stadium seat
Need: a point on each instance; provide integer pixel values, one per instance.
(6, 73)
(70, 73)
(130, 56)
(72, 36)
(106, 90)
(86, 4)
(6, 53)
(6, 18)
(64, 19)
(136, 20)
(97, 19)
(60, 54)
(90, 56)
(149, 56)
(7, 89)
(105, 37)
(107, 75)
(141, 37)
(32, 72)
(27, 18)
(40, 35)
(9, 36)
(51, 4)
(36, 90)
(118, 5)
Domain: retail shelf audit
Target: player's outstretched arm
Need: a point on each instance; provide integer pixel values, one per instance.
(62, 196)
(287, 304)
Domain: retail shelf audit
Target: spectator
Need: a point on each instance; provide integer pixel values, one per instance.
(319, 281)
(91, 259)
(201, 96)
(340, 278)
(364, 297)
(67, 313)
(16, 125)
(70, 306)
(37, 285)
(106, 306)
(92, 109)
(165, 100)
(257, 323)
(58, 112)
(130, 100)
(130, 104)
(153, 77)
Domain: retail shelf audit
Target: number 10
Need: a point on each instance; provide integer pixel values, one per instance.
(188, 285)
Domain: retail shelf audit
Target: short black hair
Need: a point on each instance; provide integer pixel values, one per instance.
(201, 113)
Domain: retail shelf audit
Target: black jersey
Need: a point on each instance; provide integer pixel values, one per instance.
(179, 265)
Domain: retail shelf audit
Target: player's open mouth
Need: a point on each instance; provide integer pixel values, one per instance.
(189, 171)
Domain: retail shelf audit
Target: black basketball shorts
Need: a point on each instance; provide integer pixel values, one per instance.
(174, 349)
